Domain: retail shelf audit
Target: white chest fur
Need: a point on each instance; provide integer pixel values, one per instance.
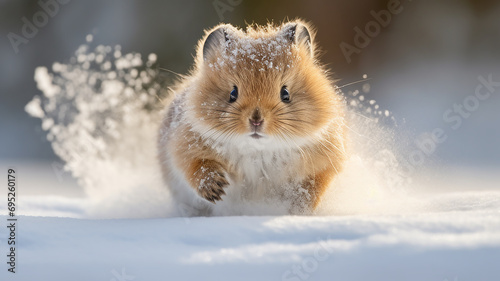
(261, 167)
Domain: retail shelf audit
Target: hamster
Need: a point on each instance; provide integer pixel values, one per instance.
(256, 119)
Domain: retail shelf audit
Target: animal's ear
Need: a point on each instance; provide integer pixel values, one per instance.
(216, 40)
(298, 33)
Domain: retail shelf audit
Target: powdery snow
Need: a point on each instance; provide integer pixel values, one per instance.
(460, 243)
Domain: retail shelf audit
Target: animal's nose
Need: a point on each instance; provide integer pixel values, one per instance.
(256, 123)
(256, 118)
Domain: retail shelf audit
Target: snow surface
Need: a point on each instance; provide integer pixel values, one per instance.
(459, 242)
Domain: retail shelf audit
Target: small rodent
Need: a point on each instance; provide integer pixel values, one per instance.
(257, 117)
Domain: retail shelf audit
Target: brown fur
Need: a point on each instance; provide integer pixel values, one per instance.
(315, 112)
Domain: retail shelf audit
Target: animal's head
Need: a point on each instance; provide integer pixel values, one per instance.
(261, 84)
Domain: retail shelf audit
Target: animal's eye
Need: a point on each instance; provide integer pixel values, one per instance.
(285, 95)
(233, 96)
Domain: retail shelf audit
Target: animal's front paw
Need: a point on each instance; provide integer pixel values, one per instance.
(212, 186)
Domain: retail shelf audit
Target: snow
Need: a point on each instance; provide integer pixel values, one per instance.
(262, 53)
(377, 222)
(34, 109)
(459, 242)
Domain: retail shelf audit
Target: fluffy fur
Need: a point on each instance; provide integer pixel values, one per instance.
(209, 145)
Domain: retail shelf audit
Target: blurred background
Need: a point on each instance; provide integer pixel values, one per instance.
(423, 57)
